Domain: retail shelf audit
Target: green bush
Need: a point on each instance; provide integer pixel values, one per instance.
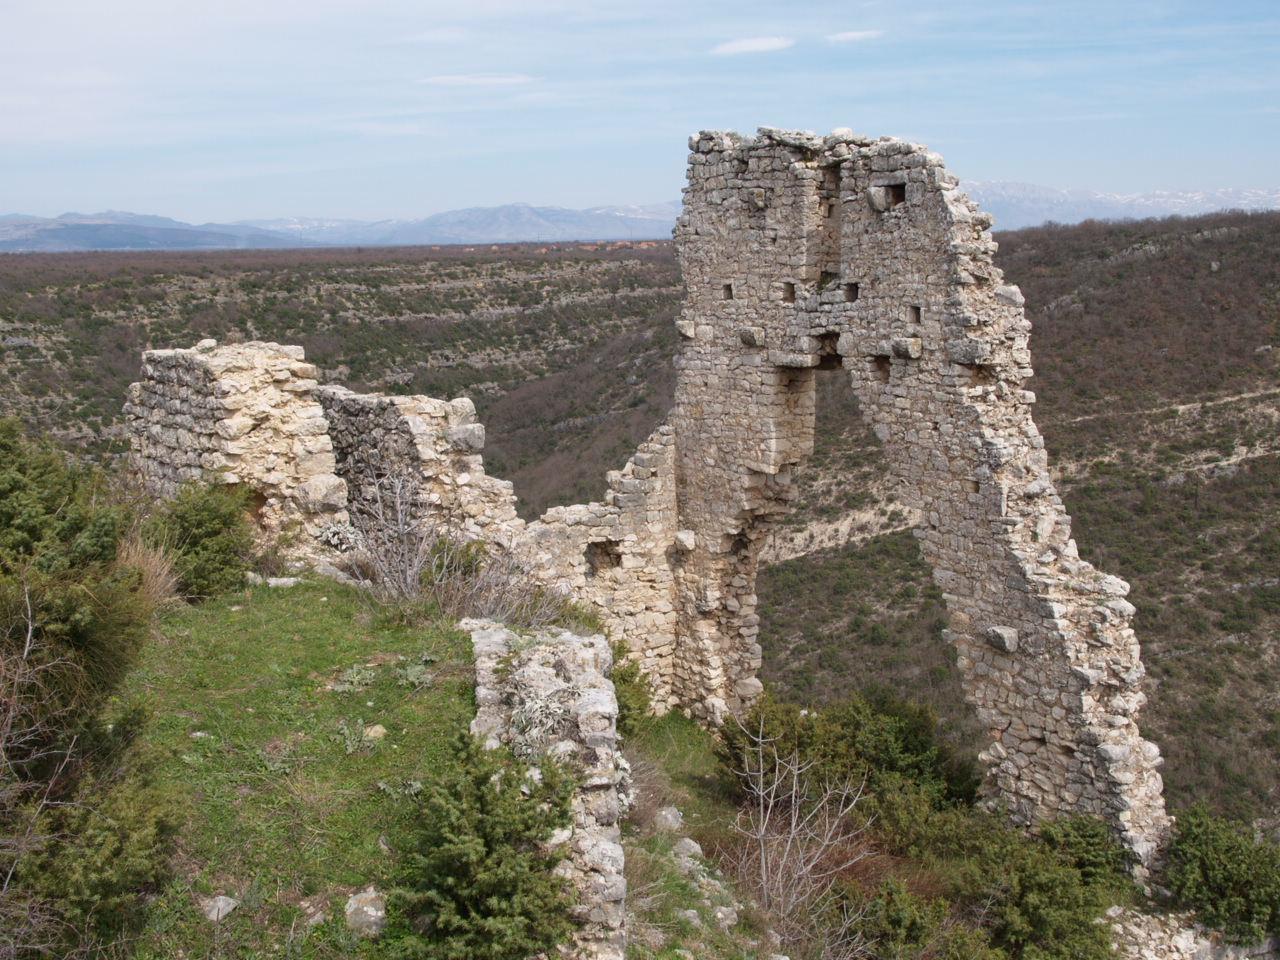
(900, 925)
(1089, 845)
(71, 619)
(477, 884)
(1230, 879)
(111, 851)
(632, 690)
(206, 529)
(887, 743)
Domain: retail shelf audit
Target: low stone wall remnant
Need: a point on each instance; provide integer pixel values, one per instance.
(549, 695)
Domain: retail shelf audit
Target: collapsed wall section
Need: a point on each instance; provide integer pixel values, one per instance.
(244, 415)
(437, 443)
(619, 557)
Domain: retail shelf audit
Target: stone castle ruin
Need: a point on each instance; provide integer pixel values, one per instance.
(799, 254)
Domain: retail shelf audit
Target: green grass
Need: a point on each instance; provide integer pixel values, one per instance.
(674, 762)
(281, 802)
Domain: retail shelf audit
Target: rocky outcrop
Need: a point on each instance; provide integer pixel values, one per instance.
(549, 695)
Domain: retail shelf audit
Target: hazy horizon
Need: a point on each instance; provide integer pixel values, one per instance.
(392, 109)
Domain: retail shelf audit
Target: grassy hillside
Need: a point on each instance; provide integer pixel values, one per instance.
(258, 703)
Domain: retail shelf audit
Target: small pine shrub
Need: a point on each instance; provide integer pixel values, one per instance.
(207, 530)
(111, 851)
(888, 744)
(1230, 879)
(72, 619)
(1036, 903)
(1089, 845)
(632, 690)
(899, 925)
(477, 884)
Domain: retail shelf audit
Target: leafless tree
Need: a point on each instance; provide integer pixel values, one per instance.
(27, 927)
(799, 835)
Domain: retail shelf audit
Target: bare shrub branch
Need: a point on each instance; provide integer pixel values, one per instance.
(798, 837)
(414, 551)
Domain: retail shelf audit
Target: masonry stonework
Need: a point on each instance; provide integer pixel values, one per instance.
(245, 415)
(803, 252)
(799, 253)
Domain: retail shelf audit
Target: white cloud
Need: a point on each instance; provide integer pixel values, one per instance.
(752, 45)
(477, 80)
(853, 36)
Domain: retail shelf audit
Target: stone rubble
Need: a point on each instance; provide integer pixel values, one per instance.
(549, 694)
(366, 913)
(1176, 936)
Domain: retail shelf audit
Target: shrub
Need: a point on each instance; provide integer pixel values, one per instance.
(477, 884)
(1089, 845)
(206, 528)
(632, 690)
(71, 618)
(1230, 879)
(111, 850)
(889, 744)
(899, 925)
(1035, 902)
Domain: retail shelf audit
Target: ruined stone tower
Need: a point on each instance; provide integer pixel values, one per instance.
(799, 253)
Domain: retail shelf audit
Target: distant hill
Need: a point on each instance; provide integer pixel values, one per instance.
(1014, 205)
(512, 223)
(1017, 205)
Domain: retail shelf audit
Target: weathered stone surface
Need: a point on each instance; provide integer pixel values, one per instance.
(366, 912)
(550, 695)
(1176, 936)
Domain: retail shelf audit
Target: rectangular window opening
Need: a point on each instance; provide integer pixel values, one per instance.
(788, 292)
(726, 292)
(895, 193)
(850, 292)
(914, 314)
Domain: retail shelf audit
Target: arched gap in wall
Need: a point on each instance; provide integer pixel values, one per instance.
(861, 615)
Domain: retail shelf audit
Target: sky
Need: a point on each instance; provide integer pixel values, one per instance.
(229, 109)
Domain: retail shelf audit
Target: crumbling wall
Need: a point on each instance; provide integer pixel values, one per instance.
(549, 695)
(242, 414)
(799, 253)
(619, 557)
(438, 442)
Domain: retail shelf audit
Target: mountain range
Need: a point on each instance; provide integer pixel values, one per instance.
(1014, 205)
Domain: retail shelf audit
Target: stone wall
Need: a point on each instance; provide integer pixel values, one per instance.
(437, 441)
(619, 557)
(549, 695)
(243, 415)
(802, 252)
